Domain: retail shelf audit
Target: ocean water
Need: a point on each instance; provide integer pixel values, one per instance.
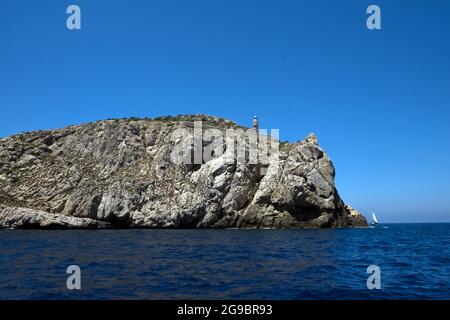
(414, 260)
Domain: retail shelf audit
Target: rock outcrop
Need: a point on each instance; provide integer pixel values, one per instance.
(119, 173)
(16, 218)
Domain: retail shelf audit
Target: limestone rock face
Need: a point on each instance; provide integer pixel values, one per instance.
(119, 173)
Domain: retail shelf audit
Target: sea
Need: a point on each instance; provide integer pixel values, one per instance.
(409, 261)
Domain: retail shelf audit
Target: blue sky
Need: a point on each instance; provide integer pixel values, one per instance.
(379, 101)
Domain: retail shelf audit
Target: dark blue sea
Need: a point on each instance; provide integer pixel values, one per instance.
(414, 260)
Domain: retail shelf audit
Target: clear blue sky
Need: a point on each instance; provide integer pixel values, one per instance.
(379, 101)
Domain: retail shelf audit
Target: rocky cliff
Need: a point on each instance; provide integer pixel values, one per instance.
(118, 173)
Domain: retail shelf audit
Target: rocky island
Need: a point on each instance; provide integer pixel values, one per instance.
(119, 174)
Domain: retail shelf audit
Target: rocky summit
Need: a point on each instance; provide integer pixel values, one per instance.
(119, 174)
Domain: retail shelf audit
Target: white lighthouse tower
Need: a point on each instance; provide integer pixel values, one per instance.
(255, 124)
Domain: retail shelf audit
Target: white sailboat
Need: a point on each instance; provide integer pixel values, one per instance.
(374, 219)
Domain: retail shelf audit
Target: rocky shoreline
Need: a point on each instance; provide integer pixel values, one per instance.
(119, 174)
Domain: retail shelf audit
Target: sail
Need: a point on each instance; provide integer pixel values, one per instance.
(374, 217)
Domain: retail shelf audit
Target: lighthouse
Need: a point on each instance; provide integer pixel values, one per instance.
(255, 124)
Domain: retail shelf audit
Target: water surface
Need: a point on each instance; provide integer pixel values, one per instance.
(228, 264)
